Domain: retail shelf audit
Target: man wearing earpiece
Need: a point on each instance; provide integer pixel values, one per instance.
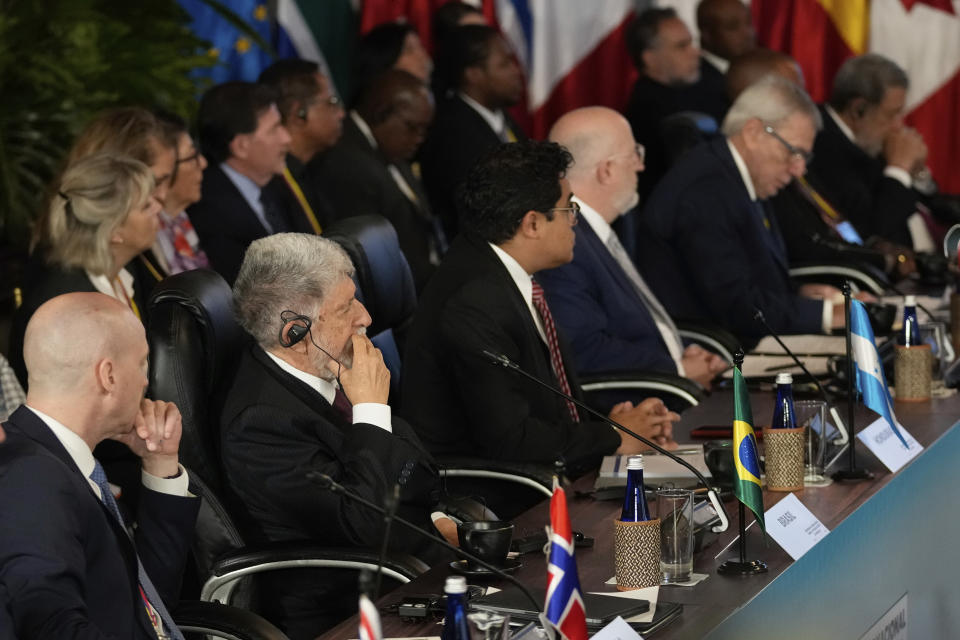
(310, 394)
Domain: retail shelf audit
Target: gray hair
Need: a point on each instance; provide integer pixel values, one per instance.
(285, 271)
(771, 99)
(95, 195)
(867, 77)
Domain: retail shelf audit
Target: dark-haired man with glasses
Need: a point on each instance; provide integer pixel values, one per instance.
(709, 246)
(517, 219)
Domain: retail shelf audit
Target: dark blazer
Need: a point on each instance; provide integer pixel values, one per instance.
(458, 401)
(649, 103)
(707, 255)
(710, 91)
(809, 238)
(459, 138)
(356, 176)
(275, 429)
(225, 223)
(600, 312)
(69, 568)
(296, 217)
(854, 183)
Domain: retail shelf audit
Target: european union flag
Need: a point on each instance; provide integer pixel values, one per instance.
(746, 484)
(239, 54)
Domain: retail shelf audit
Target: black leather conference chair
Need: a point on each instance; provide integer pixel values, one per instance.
(194, 341)
(384, 280)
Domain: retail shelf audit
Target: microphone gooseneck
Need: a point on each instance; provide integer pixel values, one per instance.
(327, 482)
(504, 361)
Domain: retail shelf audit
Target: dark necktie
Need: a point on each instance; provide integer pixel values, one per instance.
(553, 345)
(342, 405)
(152, 601)
(271, 212)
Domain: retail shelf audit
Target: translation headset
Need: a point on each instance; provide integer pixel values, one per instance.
(299, 330)
(302, 113)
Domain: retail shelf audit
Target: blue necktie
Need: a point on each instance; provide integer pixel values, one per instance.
(99, 477)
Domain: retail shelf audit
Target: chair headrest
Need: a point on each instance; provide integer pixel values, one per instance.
(208, 298)
(382, 272)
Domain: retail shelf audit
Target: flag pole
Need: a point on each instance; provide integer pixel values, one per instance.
(743, 567)
(852, 473)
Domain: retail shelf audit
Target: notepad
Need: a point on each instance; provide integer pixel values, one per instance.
(601, 609)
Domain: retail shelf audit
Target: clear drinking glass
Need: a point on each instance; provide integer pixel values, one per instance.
(812, 414)
(675, 510)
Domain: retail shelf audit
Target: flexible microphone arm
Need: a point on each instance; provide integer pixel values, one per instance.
(327, 482)
(758, 315)
(504, 361)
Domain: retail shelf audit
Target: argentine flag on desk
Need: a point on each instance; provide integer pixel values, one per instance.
(746, 485)
(871, 382)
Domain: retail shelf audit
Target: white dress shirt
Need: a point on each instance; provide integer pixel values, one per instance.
(495, 119)
(374, 413)
(524, 282)
(80, 453)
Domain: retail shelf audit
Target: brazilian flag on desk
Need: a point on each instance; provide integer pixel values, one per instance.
(746, 484)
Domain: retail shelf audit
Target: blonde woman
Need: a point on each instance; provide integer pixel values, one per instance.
(103, 214)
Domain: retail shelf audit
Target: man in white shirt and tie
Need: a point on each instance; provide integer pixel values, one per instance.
(70, 565)
(610, 316)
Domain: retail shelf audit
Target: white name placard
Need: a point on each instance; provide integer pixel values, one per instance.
(617, 630)
(793, 527)
(880, 439)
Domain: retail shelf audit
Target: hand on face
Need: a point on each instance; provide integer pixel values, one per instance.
(368, 379)
(155, 437)
(905, 148)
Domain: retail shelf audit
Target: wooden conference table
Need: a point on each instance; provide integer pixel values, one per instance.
(891, 535)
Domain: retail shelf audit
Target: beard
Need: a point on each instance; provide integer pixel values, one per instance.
(627, 200)
(345, 357)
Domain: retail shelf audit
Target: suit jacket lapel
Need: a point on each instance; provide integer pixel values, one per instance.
(302, 391)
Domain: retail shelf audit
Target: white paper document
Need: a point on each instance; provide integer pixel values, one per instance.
(880, 439)
(617, 630)
(793, 527)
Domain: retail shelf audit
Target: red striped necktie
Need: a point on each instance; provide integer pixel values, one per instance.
(553, 344)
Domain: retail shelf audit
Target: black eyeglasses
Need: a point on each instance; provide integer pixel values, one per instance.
(573, 211)
(195, 158)
(795, 152)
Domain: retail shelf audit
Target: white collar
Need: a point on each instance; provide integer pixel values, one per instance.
(744, 172)
(102, 284)
(324, 387)
(721, 64)
(364, 128)
(493, 118)
(843, 126)
(520, 277)
(600, 226)
(77, 448)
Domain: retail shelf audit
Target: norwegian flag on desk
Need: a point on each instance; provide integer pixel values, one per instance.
(564, 612)
(369, 620)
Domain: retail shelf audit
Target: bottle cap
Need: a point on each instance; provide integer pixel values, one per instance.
(455, 584)
(910, 301)
(784, 378)
(634, 462)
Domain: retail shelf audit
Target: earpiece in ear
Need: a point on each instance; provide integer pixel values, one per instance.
(302, 113)
(298, 330)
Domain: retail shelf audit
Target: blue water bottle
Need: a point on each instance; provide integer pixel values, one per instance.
(455, 623)
(783, 415)
(635, 507)
(910, 335)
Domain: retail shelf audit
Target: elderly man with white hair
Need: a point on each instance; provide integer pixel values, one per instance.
(606, 310)
(310, 395)
(708, 246)
(68, 564)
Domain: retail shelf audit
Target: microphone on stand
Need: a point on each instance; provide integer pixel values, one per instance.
(504, 361)
(327, 482)
(844, 437)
